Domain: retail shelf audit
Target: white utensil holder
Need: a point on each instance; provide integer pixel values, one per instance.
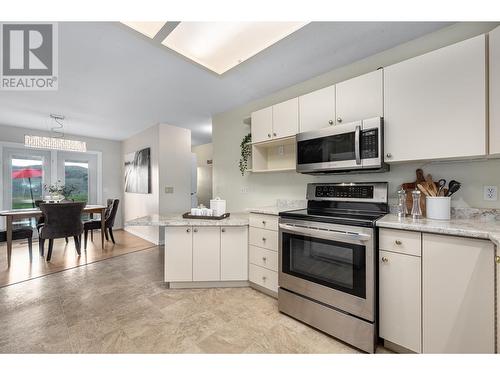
(438, 208)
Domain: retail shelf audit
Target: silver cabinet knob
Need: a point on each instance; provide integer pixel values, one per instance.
(274, 134)
(330, 122)
(188, 230)
(339, 119)
(264, 259)
(263, 238)
(195, 230)
(385, 260)
(223, 230)
(268, 135)
(389, 155)
(398, 242)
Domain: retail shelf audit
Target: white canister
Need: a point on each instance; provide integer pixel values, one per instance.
(438, 208)
(218, 206)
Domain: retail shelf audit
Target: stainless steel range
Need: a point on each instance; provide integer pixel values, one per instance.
(328, 260)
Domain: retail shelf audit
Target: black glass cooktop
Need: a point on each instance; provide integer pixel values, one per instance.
(349, 217)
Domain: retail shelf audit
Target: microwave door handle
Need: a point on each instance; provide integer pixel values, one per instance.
(357, 151)
(326, 234)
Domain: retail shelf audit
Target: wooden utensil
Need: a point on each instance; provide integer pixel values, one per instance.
(431, 186)
(424, 190)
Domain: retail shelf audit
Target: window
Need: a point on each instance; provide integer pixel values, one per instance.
(76, 175)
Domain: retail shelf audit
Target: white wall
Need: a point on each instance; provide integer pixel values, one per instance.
(170, 166)
(263, 189)
(112, 175)
(137, 205)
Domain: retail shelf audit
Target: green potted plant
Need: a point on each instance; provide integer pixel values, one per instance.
(246, 152)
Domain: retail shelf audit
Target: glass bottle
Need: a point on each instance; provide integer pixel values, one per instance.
(401, 208)
(416, 211)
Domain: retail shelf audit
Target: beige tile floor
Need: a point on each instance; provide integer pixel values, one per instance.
(120, 305)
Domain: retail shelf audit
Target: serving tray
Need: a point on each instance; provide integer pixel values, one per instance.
(188, 215)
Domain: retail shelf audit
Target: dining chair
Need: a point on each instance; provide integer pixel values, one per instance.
(109, 217)
(41, 219)
(21, 233)
(62, 220)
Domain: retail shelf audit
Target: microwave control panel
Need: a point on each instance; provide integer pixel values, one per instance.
(369, 143)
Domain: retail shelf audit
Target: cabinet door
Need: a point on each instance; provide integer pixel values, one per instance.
(178, 254)
(286, 118)
(400, 299)
(494, 52)
(206, 253)
(262, 124)
(234, 253)
(317, 109)
(435, 104)
(359, 98)
(458, 276)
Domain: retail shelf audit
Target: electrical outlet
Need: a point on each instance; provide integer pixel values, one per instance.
(169, 190)
(281, 150)
(490, 193)
(244, 190)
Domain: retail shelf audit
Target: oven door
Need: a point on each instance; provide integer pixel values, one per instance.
(343, 147)
(329, 263)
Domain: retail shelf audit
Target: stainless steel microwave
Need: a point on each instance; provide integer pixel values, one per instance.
(343, 148)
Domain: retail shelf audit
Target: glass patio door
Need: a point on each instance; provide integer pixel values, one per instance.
(78, 173)
(24, 174)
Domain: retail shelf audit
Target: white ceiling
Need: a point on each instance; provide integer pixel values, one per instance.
(115, 82)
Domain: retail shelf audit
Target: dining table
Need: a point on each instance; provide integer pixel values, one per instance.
(24, 213)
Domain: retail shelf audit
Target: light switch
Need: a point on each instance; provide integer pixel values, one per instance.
(169, 190)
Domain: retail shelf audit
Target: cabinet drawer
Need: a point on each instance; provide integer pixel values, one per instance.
(264, 258)
(263, 277)
(267, 239)
(264, 221)
(401, 241)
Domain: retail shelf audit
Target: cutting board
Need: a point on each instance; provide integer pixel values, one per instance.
(408, 187)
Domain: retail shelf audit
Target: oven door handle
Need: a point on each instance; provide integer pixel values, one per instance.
(357, 151)
(326, 234)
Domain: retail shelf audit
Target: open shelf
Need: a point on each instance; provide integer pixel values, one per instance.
(277, 155)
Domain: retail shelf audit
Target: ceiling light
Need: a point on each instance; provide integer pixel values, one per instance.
(220, 46)
(35, 141)
(150, 29)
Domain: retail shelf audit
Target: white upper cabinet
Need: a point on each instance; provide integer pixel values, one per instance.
(317, 109)
(360, 98)
(494, 52)
(435, 104)
(286, 118)
(262, 124)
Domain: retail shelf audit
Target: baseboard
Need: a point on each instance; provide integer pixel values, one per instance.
(142, 235)
(261, 289)
(207, 284)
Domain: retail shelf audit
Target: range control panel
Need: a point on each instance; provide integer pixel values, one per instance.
(349, 191)
(364, 192)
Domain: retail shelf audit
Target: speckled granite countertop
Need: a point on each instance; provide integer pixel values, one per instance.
(464, 227)
(281, 205)
(176, 220)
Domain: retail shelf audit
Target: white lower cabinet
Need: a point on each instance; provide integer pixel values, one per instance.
(264, 277)
(178, 254)
(234, 253)
(441, 302)
(458, 280)
(400, 299)
(204, 253)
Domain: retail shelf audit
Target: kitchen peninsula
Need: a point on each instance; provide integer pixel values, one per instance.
(203, 253)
